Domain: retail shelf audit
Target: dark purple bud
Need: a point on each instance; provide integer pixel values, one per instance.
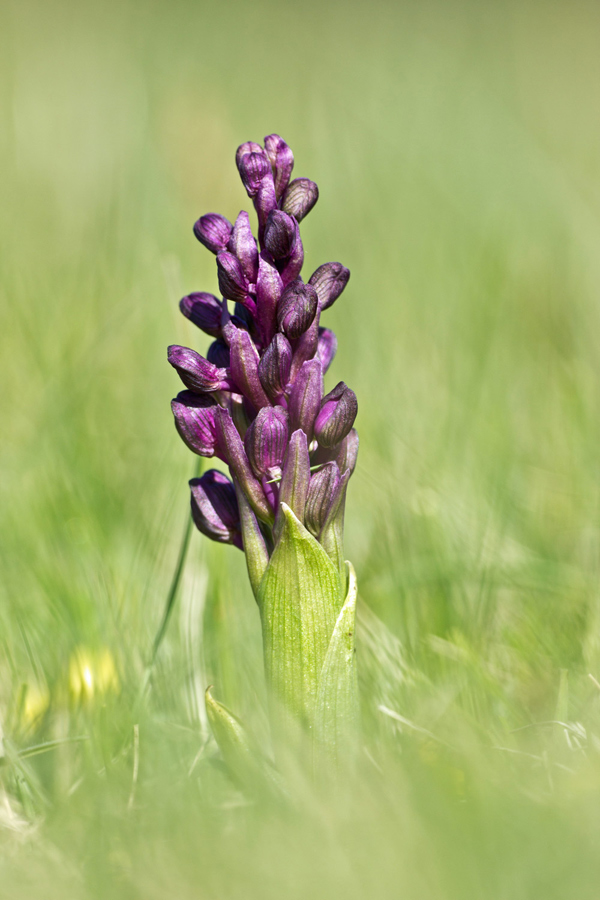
(195, 421)
(305, 397)
(337, 415)
(244, 316)
(215, 508)
(230, 442)
(321, 494)
(218, 354)
(293, 265)
(326, 347)
(244, 361)
(348, 452)
(213, 231)
(242, 244)
(295, 478)
(300, 197)
(329, 281)
(204, 310)
(297, 309)
(274, 367)
(264, 202)
(269, 288)
(282, 161)
(244, 149)
(232, 281)
(305, 347)
(266, 441)
(280, 234)
(197, 373)
(253, 168)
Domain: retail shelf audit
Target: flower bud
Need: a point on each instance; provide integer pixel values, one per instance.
(305, 397)
(269, 288)
(348, 452)
(218, 354)
(293, 264)
(282, 161)
(300, 197)
(297, 308)
(230, 443)
(215, 508)
(243, 245)
(197, 373)
(195, 421)
(204, 310)
(244, 360)
(326, 347)
(232, 281)
(274, 366)
(244, 149)
(280, 234)
(329, 281)
(264, 202)
(321, 493)
(337, 415)
(213, 230)
(266, 441)
(253, 168)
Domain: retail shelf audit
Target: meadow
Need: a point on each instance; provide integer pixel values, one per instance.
(455, 145)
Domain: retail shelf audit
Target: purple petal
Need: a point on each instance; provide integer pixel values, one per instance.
(326, 347)
(204, 310)
(215, 508)
(213, 230)
(230, 441)
(274, 367)
(253, 168)
(195, 421)
(244, 149)
(305, 397)
(295, 478)
(297, 309)
(280, 234)
(233, 284)
(336, 416)
(300, 197)
(282, 161)
(321, 494)
(329, 281)
(242, 244)
(244, 361)
(197, 373)
(266, 441)
(293, 265)
(269, 288)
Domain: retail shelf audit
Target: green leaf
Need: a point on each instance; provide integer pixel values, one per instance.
(299, 598)
(336, 708)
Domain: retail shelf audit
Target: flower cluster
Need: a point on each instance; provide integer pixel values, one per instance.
(257, 401)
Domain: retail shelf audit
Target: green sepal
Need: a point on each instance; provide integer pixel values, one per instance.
(336, 707)
(299, 599)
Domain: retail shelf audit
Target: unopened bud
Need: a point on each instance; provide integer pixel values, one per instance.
(329, 281)
(337, 415)
(195, 421)
(300, 197)
(218, 354)
(297, 309)
(232, 281)
(326, 347)
(274, 366)
(215, 508)
(305, 397)
(213, 230)
(243, 245)
(266, 441)
(321, 493)
(280, 234)
(197, 373)
(204, 310)
(246, 148)
(253, 168)
(282, 161)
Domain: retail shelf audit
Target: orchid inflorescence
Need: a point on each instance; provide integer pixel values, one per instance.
(256, 401)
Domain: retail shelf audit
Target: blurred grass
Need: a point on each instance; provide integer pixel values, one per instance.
(456, 149)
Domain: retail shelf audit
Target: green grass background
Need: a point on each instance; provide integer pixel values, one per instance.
(456, 147)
